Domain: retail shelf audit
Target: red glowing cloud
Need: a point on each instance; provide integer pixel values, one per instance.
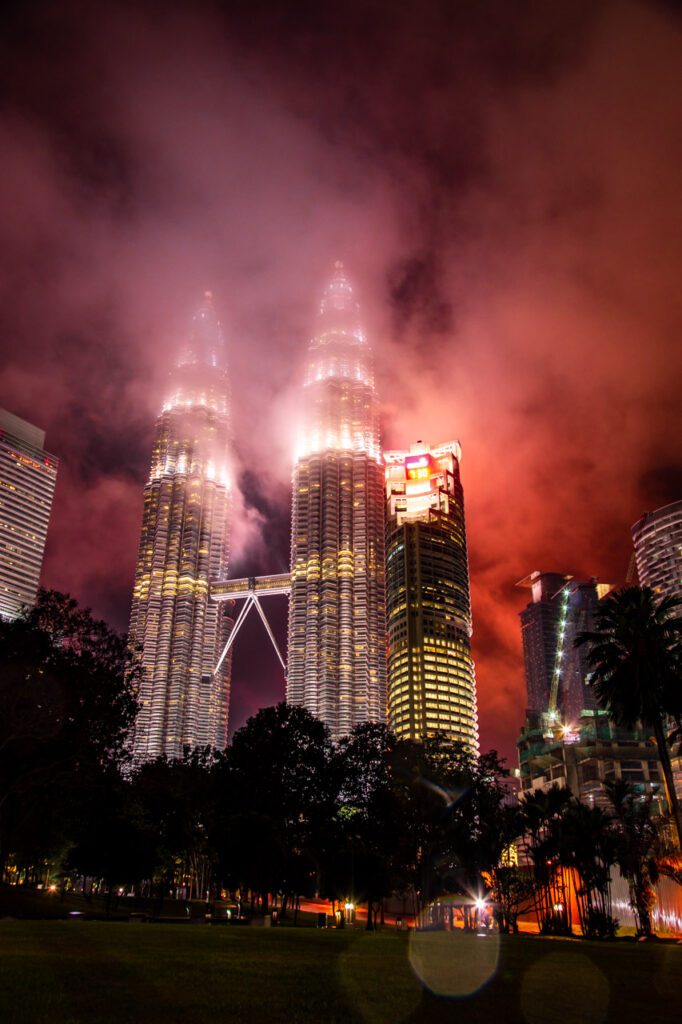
(503, 192)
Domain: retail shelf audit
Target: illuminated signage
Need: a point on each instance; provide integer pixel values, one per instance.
(419, 467)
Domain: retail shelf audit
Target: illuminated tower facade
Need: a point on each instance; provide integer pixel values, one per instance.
(431, 682)
(28, 475)
(337, 616)
(177, 631)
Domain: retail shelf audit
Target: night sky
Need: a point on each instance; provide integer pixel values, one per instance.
(502, 182)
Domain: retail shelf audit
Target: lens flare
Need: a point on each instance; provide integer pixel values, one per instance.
(451, 961)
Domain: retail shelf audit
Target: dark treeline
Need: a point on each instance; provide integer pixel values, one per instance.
(282, 812)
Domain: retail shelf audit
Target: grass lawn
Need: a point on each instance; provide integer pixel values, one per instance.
(67, 972)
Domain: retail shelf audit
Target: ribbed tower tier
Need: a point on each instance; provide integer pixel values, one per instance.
(177, 632)
(337, 613)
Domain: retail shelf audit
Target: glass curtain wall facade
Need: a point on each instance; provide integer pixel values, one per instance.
(28, 475)
(177, 631)
(431, 681)
(337, 624)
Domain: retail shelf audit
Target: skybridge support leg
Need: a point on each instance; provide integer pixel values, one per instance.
(249, 602)
(270, 633)
(237, 626)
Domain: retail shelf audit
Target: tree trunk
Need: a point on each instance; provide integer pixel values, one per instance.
(664, 758)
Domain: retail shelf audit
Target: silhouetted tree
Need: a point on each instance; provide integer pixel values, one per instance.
(636, 841)
(278, 770)
(178, 796)
(542, 812)
(368, 823)
(586, 843)
(451, 804)
(67, 702)
(635, 651)
(114, 837)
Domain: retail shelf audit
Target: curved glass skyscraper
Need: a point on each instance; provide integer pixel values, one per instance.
(431, 682)
(177, 631)
(657, 538)
(337, 627)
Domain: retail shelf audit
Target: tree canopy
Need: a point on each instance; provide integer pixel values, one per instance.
(635, 651)
(67, 703)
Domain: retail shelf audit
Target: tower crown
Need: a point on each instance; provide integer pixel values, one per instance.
(338, 294)
(199, 377)
(339, 309)
(205, 345)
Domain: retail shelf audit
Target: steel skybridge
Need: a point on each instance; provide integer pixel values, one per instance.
(250, 589)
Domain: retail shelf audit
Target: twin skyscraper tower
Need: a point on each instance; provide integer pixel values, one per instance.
(379, 610)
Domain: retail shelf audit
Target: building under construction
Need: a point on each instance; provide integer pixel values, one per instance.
(566, 739)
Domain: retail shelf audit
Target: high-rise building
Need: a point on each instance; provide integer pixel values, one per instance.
(337, 621)
(580, 605)
(539, 630)
(177, 631)
(28, 475)
(658, 549)
(556, 670)
(657, 538)
(431, 682)
(566, 738)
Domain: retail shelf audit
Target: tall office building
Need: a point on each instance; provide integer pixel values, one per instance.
(431, 682)
(657, 538)
(539, 630)
(337, 621)
(580, 606)
(658, 549)
(557, 670)
(566, 738)
(28, 475)
(178, 632)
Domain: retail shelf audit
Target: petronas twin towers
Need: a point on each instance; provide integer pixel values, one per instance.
(337, 651)
(175, 629)
(337, 610)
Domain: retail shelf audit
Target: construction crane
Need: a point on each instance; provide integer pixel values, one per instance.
(631, 574)
(554, 728)
(552, 720)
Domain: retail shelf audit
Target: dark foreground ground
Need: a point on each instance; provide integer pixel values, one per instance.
(67, 972)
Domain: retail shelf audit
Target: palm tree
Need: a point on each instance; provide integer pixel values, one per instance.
(541, 813)
(588, 845)
(635, 651)
(636, 841)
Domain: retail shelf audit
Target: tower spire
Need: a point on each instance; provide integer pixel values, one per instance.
(337, 665)
(183, 545)
(339, 309)
(206, 344)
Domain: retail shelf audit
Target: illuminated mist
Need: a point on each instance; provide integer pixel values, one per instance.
(504, 190)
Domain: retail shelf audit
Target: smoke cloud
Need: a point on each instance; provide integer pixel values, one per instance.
(502, 183)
